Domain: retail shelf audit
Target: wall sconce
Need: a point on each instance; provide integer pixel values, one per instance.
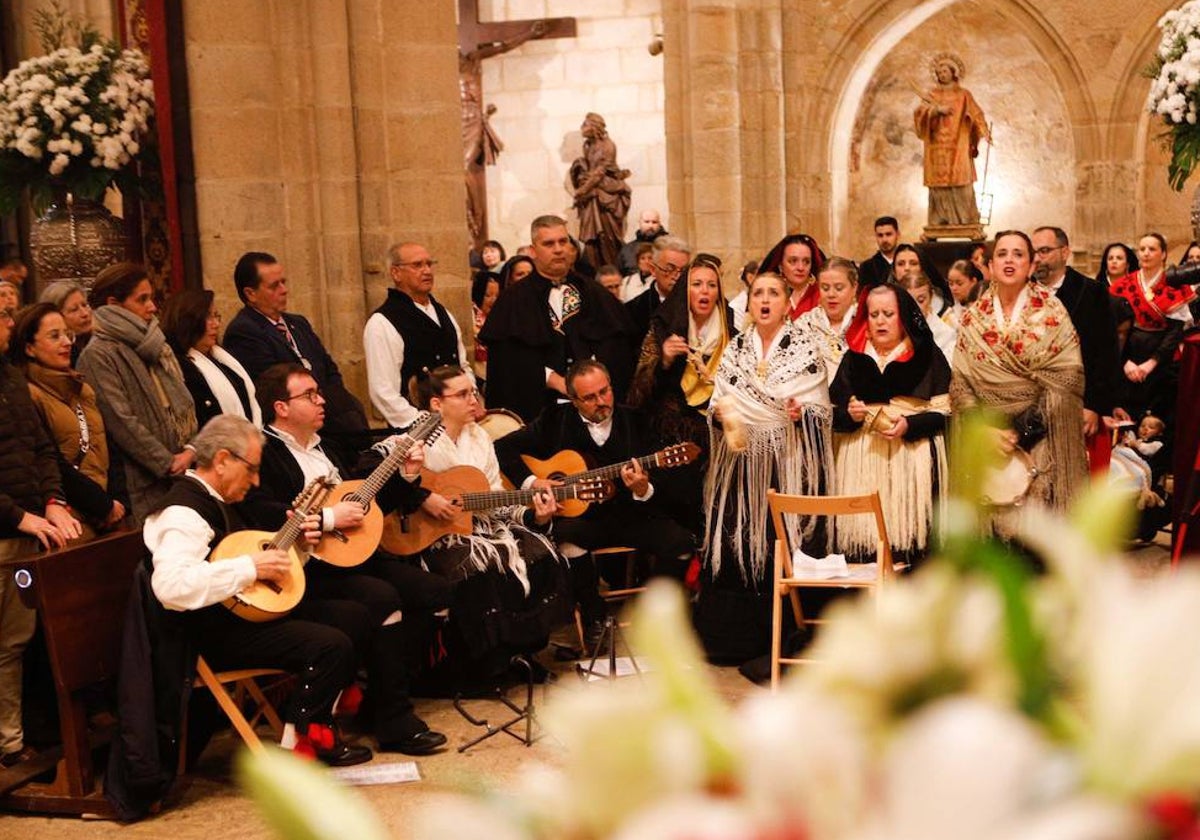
(656, 44)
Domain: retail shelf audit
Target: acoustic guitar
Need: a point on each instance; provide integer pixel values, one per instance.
(468, 487)
(353, 546)
(266, 600)
(569, 467)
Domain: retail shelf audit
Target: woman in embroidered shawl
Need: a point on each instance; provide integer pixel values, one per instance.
(837, 285)
(1159, 313)
(1018, 355)
(147, 409)
(890, 403)
(770, 429)
(674, 379)
(510, 587)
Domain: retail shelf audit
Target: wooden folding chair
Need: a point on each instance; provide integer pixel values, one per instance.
(869, 576)
(245, 686)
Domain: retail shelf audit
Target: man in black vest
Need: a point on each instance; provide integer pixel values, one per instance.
(192, 520)
(1091, 314)
(410, 331)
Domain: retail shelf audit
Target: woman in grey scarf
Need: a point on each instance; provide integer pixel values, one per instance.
(146, 406)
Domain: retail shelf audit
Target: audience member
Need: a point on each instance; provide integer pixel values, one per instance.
(649, 228)
(608, 277)
(637, 281)
(878, 268)
(669, 260)
(70, 298)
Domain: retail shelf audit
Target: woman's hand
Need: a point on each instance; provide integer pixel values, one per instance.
(672, 349)
(414, 461)
(1133, 372)
(897, 431)
(544, 506)
(795, 408)
(46, 532)
(1147, 367)
(180, 461)
(1006, 441)
(439, 507)
(115, 514)
(857, 409)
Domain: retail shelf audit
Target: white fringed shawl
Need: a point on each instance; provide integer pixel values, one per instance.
(222, 388)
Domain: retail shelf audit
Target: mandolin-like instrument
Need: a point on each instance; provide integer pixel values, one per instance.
(570, 468)
(266, 600)
(353, 546)
(468, 487)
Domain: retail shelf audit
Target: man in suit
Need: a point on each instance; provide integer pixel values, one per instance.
(1088, 305)
(669, 260)
(264, 333)
(604, 433)
(878, 269)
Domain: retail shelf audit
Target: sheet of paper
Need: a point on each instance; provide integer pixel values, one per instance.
(624, 667)
(379, 774)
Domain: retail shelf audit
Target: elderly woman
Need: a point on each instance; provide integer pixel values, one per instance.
(771, 428)
(216, 380)
(890, 402)
(837, 284)
(146, 406)
(1018, 355)
(673, 383)
(797, 259)
(1159, 314)
(70, 298)
(41, 346)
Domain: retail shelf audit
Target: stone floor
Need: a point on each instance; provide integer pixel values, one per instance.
(210, 804)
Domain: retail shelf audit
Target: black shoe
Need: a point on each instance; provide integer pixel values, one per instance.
(342, 754)
(423, 743)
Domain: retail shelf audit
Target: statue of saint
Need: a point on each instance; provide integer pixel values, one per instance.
(950, 123)
(601, 195)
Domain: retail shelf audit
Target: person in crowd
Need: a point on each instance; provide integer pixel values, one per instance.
(264, 333)
(608, 277)
(195, 515)
(92, 483)
(1191, 254)
(890, 404)
(604, 433)
(147, 409)
(878, 268)
(908, 260)
(542, 325)
(510, 588)
(966, 282)
(33, 516)
(396, 631)
(216, 380)
(1091, 314)
(670, 260)
(1018, 355)
(10, 295)
(837, 284)
(770, 429)
(1160, 313)
(980, 258)
(674, 379)
(1139, 464)
(1116, 260)
(639, 280)
(917, 284)
(492, 256)
(515, 270)
(411, 330)
(650, 227)
(14, 271)
(797, 259)
(485, 288)
(70, 298)
(740, 302)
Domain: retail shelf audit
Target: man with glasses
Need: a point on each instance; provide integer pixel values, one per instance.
(670, 258)
(409, 332)
(593, 425)
(264, 333)
(293, 409)
(1092, 316)
(541, 326)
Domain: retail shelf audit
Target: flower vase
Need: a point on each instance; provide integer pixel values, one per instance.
(74, 239)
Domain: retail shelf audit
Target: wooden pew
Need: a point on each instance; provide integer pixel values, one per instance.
(80, 593)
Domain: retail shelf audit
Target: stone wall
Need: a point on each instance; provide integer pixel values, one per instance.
(543, 89)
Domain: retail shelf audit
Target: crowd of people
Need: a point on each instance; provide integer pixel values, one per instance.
(823, 375)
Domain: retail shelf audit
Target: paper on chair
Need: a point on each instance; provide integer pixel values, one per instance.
(379, 774)
(819, 568)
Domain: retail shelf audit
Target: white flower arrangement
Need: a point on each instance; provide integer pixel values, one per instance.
(1175, 88)
(74, 119)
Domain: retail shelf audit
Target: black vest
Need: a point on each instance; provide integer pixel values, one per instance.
(426, 344)
(190, 493)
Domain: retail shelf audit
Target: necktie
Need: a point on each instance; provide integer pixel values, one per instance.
(282, 326)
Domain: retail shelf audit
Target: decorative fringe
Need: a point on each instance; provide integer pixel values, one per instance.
(492, 545)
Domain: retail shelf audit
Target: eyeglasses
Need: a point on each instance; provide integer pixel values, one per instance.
(670, 270)
(592, 399)
(55, 336)
(214, 316)
(313, 395)
(1044, 251)
(418, 264)
(251, 467)
(469, 394)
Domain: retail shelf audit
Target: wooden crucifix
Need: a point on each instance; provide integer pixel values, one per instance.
(478, 40)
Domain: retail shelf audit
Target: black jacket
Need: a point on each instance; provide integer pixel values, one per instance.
(1087, 303)
(874, 271)
(642, 308)
(29, 475)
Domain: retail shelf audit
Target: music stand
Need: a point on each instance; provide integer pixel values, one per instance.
(613, 636)
(526, 713)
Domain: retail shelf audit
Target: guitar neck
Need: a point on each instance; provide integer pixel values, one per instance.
(613, 471)
(291, 531)
(380, 475)
(507, 498)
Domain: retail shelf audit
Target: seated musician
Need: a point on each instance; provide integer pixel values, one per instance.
(604, 434)
(194, 516)
(510, 588)
(293, 410)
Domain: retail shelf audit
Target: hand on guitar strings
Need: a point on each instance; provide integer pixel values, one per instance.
(439, 507)
(348, 514)
(414, 461)
(272, 564)
(635, 478)
(312, 527)
(544, 506)
(545, 482)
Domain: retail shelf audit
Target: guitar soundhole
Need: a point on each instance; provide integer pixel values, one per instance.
(272, 585)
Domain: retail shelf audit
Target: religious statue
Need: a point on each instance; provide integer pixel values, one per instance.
(950, 123)
(480, 143)
(601, 195)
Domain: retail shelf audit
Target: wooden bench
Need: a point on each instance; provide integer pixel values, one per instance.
(80, 593)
